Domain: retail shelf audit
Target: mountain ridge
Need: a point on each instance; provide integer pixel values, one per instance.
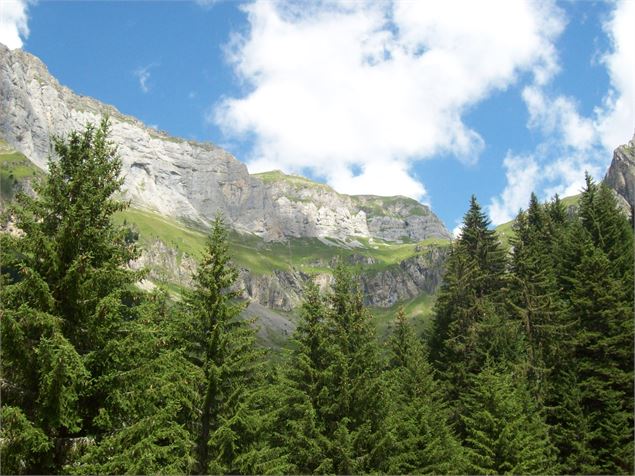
(190, 180)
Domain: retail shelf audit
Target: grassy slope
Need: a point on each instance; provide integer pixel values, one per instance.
(14, 167)
(306, 254)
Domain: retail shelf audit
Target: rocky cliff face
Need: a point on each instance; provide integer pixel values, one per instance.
(621, 174)
(191, 181)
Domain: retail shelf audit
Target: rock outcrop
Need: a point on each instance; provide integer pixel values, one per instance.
(621, 174)
(190, 180)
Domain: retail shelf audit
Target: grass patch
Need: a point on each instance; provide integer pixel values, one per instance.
(295, 180)
(309, 255)
(14, 168)
(418, 310)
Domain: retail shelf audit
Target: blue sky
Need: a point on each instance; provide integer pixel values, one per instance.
(387, 97)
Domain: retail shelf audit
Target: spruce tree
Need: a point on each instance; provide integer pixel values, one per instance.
(472, 289)
(420, 433)
(61, 271)
(223, 347)
(146, 422)
(596, 277)
(333, 417)
(534, 298)
(505, 433)
(299, 430)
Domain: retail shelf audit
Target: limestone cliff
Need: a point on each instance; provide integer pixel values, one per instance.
(190, 180)
(621, 174)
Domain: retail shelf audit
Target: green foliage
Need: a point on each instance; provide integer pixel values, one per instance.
(418, 427)
(21, 442)
(223, 348)
(471, 292)
(69, 260)
(335, 404)
(504, 434)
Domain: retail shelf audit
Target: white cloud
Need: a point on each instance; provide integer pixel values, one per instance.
(143, 76)
(574, 144)
(14, 26)
(522, 174)
(616, 121)
(338, 87)
(559, 116)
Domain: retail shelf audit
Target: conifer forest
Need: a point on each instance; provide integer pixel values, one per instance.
(527, 367)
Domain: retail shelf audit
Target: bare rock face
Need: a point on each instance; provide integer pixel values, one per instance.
(189, 180)
(416, 275)
(621, 174)
(175, 177)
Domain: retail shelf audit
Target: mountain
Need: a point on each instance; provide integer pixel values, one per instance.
(191, 181)
(286, 229)
(621, 174)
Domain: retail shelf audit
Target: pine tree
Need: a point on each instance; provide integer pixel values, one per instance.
(61, 271)
(505, 434)
(422, 438)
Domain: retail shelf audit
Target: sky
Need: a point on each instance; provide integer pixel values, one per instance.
(436, 100)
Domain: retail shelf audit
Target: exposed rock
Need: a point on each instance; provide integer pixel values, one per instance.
(621, 174)
(414, 276)
(190, 180)
(165, 264)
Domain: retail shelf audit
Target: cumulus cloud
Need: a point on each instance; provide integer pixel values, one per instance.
(356, 92)
(572, 143)
(14, 26)
(616, 121)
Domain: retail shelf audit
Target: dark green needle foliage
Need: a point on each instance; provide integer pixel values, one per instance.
(504, 432)
(60, 272)
(223, 348)
(420, 432)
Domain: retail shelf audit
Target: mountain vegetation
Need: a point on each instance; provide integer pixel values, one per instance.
(527, 367)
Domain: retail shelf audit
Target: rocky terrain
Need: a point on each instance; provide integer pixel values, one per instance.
(621, 174)
(189, 180)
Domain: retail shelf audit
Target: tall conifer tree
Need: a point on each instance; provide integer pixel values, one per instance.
(65, 271)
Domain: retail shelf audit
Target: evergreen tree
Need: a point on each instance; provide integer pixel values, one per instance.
(223, 347)
(534, 298)
(333, 415)
(505, 434)
(422, 438)
(68, 262)
(146, 421)
(352, 404)
(298, 429)
(472, 289)
(596, 277)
